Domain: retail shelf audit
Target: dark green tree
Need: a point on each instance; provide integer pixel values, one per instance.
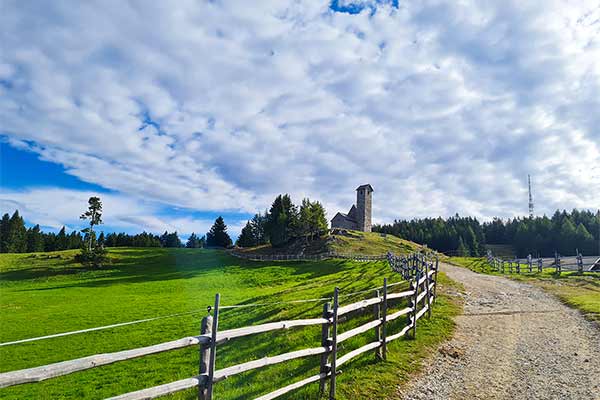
(16, 241)
(62, 242)
(193, 242)
(170, 240)
(218, 236)
(247, 237)
(283, 221)
(94, 216)
(92, 253)
(35, 239)
(4, 225)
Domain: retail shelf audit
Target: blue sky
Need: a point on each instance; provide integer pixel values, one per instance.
(176, 112)
(23, 171)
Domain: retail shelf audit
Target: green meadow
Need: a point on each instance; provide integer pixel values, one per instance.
(48, 293)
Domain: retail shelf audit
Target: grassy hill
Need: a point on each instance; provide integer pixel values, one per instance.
(352, 242)
(43, 294)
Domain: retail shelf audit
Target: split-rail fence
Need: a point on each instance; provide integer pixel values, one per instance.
(421, 269)
(306, 257)
(531, 265)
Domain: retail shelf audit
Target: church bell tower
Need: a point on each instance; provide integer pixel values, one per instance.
(363, 207)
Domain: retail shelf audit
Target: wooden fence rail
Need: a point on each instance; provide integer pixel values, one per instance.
(421, 297)
(532, 265)
(307, 257)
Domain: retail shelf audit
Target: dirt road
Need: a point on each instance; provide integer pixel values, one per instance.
(513, 341)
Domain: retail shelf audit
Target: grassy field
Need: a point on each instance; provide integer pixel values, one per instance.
(579, 290)
(42, 294)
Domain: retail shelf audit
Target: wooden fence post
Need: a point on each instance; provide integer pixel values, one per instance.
(325, 328)
(383, 321)
(518, 266)
(540, 264)
(428, 295)
(213, 349)
(377, 315)
(435, 279)
(334, 344)
(415, 305)
(205, 329)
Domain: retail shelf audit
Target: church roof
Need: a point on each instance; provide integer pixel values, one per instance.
(352, 213)
(367, 186)
(345, 216)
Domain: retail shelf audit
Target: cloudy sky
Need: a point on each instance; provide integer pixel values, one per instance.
(176, 112)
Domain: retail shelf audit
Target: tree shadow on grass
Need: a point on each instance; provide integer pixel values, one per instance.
(131, 266)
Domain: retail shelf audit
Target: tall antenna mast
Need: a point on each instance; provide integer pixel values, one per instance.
(530, 197)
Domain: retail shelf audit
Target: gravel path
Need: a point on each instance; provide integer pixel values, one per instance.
(513, 341)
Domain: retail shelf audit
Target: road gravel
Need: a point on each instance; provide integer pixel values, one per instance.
(513, 341)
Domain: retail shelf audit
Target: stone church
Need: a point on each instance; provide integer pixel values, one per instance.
(359, 216)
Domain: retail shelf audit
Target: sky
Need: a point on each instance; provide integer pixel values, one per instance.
(175, 112)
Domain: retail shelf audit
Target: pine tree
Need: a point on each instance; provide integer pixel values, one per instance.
(318, 219)
(247, 237)
(305, 217)
(283, 222)
(62, 243)
(193, 242)
(35, 239)
(218, 236)
(92, 253)
(4, 225)
(94, 215)
(16, 241)
(171, 240)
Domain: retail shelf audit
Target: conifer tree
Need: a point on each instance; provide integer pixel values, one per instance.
(16, 234)
(35, 239)
(62, 242)
(94, 215)
(247, 237)
(218, 236)
(92, 253)
(283, 221)
(193, 242)
(4, 225)
(318, 219)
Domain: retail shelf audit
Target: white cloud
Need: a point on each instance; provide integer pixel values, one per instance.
(443, 107)
(53, 208)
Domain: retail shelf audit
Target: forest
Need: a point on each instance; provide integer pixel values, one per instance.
(564, 232)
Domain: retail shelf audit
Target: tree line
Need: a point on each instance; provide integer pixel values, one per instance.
(15, 237)
(539, 236)
(283, 222)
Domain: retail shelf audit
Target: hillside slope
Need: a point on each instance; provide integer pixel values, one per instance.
(47, 293)
(349, 242)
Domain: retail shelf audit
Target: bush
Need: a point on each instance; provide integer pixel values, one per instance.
(95, 257)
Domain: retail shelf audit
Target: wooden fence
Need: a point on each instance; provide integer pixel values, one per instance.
(307, 257)
(532, 265)
(419, 301)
